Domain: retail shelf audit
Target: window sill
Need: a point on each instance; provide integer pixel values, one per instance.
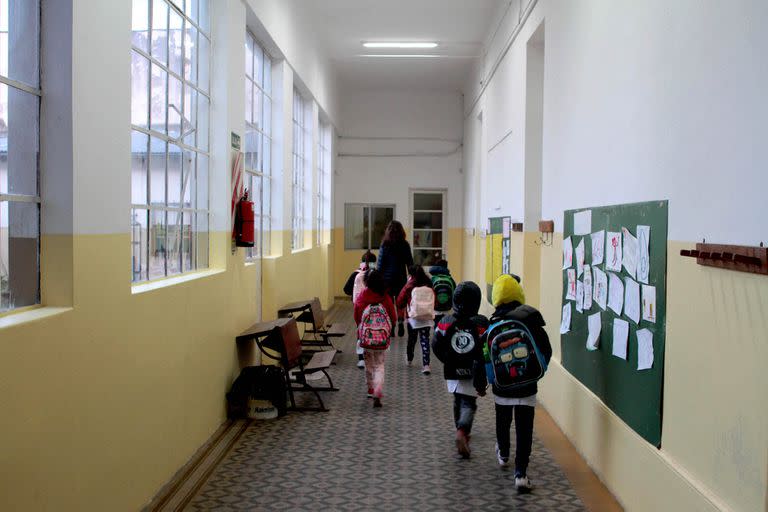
(272, 257)
(33, 314)
(299, 251)
(251, 262)
(174, 280)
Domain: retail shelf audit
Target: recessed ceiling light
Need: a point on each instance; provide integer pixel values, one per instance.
(401, 56)
(400, 45)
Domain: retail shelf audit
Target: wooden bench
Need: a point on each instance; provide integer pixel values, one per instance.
(316, 333)
(279, 340)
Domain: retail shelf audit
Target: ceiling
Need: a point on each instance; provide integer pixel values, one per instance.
(459, 26)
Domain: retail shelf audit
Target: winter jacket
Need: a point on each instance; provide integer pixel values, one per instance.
(532, 319)
(393, 262)
(368, 297)
(349, 287)
(466, 366)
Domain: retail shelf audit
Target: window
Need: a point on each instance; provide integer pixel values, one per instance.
(324, 184)
(170, 102)
(364, 225)
(302, 172)
(19, 153)
(259, 179)
(428, 226)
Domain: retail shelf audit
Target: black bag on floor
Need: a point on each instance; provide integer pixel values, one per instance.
(259, 383)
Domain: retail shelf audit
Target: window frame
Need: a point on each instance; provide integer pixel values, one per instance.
(443, 230)
(370, 207)
(324, 174)
(264, 220)
(9, 198)
(199, 259)
(302, 170)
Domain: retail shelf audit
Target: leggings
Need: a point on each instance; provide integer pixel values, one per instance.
(523, 433)
(374, 371)
(423, 334)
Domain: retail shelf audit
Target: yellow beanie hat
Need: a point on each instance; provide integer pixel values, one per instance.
(506, 289)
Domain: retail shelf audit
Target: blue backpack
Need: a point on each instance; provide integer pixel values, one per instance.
(512, 358)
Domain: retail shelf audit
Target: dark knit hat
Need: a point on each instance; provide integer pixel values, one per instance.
(466, 299)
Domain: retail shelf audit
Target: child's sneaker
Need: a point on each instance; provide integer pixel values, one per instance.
(409, 362)
(426, 370)
(523, 484)
(462, 444)
(360, 363)
(503, 461)
(370, 393)
(377, 402)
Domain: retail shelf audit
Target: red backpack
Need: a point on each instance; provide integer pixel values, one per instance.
(375, 328)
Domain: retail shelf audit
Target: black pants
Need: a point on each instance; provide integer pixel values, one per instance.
(523, 433)
(464, 408)
(423, 335)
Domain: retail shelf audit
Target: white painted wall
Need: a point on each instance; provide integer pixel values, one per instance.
(399, 123)
(642, 101)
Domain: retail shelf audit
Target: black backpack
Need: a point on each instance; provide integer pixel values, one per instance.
(260, 383)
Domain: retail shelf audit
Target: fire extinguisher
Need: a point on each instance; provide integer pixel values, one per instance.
(244, 227)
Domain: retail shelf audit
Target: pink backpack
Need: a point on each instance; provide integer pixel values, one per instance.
(422, 303)
(359, 285)
(375, 328)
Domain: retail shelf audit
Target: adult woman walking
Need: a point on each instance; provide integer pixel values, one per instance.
(394, 259)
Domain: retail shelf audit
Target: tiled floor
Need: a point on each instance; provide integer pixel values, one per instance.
(399, 457)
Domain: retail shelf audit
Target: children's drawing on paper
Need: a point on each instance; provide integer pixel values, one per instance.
(649, 303)
(565, 323)
(600, 293)
(630, 252)
(580, 258)
(587, 288)
(598, 247)
(643, 255)
(632, 299)
(613, 251)
(579, 296)
(570, 292)
(567, 253)
(615, 293)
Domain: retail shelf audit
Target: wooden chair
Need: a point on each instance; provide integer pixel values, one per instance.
(316, 333)
(283, 344)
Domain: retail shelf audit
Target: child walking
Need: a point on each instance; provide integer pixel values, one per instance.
(519, 402)
(457, 343)
(375, 315)
(354, 286)
(444, 286)
(418, 299)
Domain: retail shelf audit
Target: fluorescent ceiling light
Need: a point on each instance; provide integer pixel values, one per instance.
(400, 45)
(401, 56)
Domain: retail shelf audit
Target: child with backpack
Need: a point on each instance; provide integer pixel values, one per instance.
(375, 315)
(517, 351)
(354, 286)
(458, 344)
(418, 299)
(444, 286)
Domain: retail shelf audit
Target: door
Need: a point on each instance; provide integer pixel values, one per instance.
(429, 226)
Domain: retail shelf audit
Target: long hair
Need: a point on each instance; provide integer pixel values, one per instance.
(393, 234)
(420, 278)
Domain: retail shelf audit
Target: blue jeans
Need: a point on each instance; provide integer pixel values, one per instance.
(464, 407)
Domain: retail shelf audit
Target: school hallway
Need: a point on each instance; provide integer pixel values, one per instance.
(399, 457)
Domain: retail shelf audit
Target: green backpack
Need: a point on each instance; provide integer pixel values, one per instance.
(443, 286)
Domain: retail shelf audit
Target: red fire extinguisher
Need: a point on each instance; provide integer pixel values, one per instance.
(244, 227)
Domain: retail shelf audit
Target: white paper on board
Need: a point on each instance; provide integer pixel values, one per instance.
(567, 253)
(643, 254)
(565, 323)
(632, 299)
(598, 247)
(613, 251)
(649, 303)
(582, 222)
(580, 258)
(629, 252)
(570, 292)
(644, 349)
(587, 288)
(615, 293)
(579, 296)
(620, 337)
(600, 292)
(595, 324)
(505, 227)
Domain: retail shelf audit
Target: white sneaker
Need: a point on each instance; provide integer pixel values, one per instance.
(523, 484)
(426, 370)
(503, 461)
(360, 363)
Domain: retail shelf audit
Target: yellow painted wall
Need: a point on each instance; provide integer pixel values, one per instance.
(715, 430)
(102, 403)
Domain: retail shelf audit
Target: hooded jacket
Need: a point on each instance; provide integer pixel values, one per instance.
(466, 302)
(368, 297)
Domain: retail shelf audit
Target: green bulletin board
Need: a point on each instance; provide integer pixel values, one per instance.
(497, 250)
(634, 395)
